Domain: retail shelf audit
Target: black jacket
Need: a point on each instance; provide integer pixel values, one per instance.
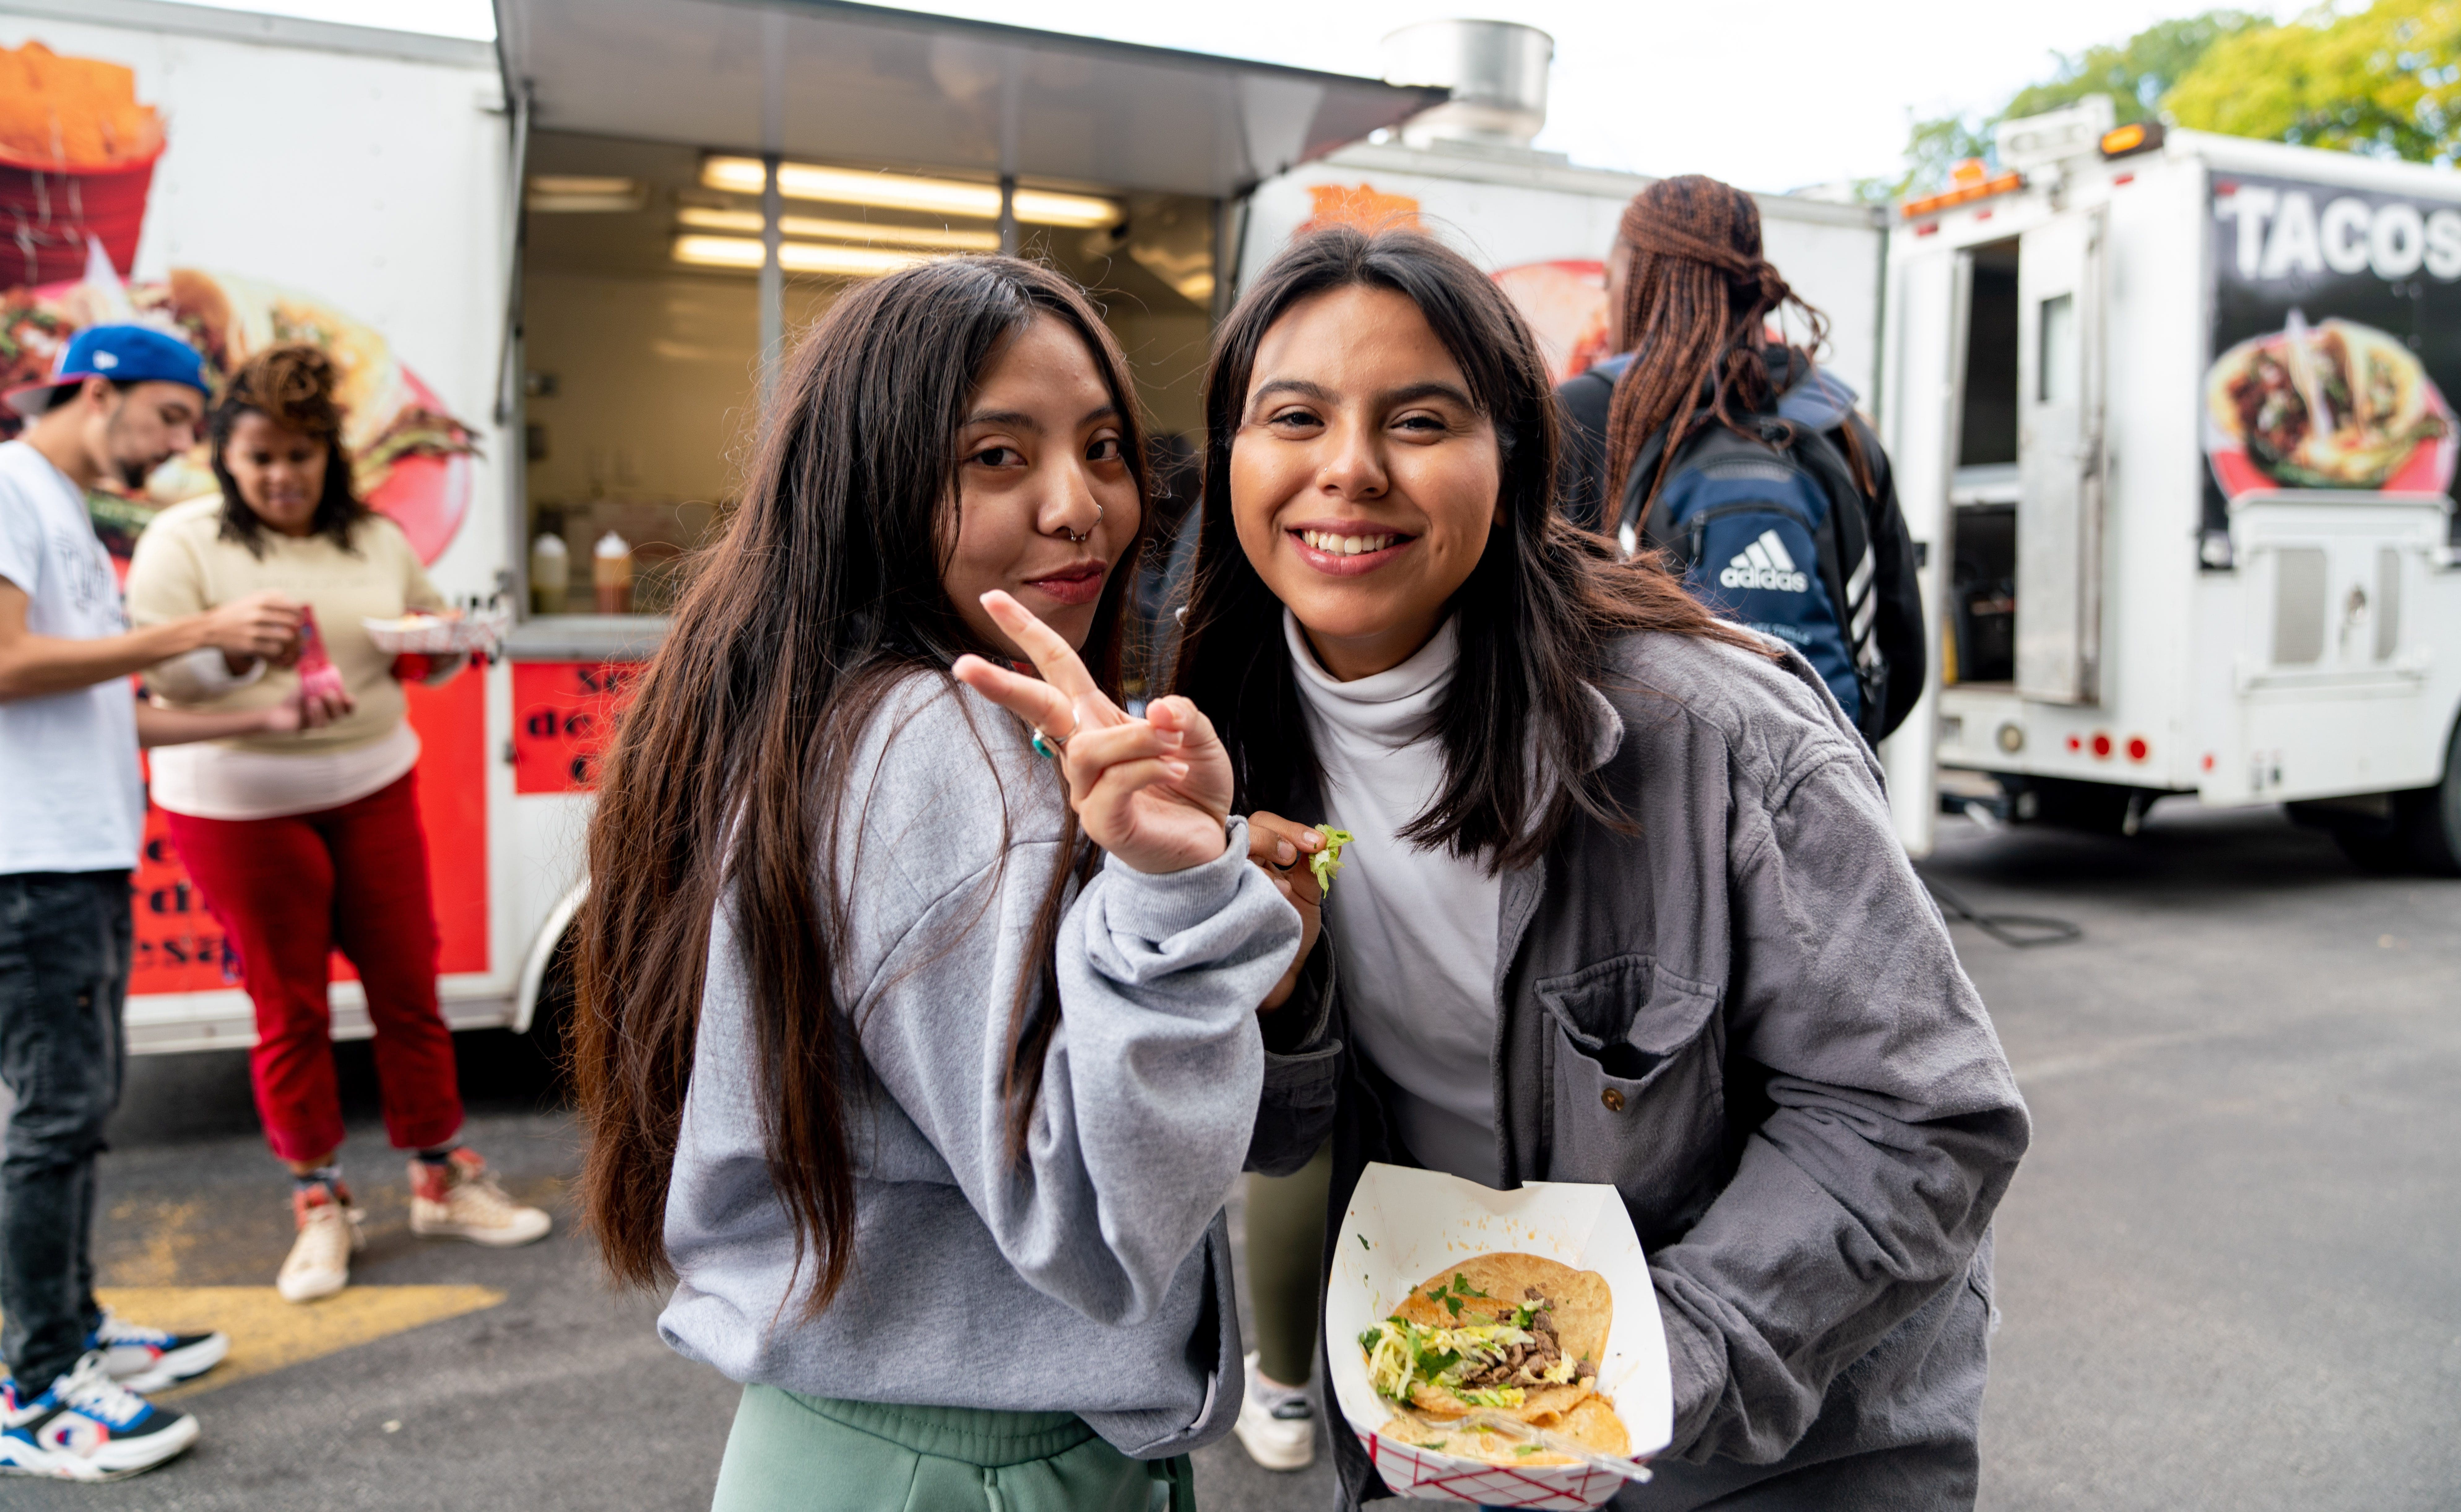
(1811, 398)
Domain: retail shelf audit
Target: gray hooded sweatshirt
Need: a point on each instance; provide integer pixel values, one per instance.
(1094, 1274)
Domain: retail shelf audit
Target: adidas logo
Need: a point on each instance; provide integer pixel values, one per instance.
(1764, 564)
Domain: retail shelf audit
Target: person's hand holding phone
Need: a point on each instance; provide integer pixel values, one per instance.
(1155, 792)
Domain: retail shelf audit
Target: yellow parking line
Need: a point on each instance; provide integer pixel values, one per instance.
(267, 1333)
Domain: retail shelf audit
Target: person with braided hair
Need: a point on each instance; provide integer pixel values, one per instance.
(1704, 376)
(304, 842)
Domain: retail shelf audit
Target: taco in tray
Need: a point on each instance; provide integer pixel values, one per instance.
(2335, 405)
(1512, 1334)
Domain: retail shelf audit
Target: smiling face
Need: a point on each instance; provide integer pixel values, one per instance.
(280, 471)
(1364, 480)
(1041, 462)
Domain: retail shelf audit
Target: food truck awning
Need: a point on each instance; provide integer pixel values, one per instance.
(856, 83)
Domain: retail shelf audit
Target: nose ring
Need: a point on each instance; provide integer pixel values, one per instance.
(1077, 537)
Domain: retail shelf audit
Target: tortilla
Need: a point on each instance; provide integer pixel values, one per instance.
(1584, 1306)
(1592, 1423)
(2376, 397)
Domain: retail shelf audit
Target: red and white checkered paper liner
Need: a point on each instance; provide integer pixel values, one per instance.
(1405, 1225)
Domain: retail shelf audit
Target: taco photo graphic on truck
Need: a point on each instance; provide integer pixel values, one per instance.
(2188, 473)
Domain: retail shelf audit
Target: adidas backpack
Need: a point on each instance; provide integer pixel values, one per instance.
(1763, 537)
(1773, 533)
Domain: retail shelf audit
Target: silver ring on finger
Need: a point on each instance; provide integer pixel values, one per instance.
(1045, 745)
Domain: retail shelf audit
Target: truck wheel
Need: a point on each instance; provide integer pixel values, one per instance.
(2428, 819)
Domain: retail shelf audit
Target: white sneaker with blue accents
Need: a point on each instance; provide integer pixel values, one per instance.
(88, 1427)
(145, 1359)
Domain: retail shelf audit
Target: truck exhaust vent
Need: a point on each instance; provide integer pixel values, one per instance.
(1497, 70)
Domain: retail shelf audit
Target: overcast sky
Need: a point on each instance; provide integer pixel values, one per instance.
(1780, 94)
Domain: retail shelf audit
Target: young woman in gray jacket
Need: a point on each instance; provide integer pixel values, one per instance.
(925, 1107)
(1624, 904)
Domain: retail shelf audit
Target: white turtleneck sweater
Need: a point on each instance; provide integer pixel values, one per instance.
(1415, 926)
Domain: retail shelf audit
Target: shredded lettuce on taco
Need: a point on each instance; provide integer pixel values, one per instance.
(1512, 1334)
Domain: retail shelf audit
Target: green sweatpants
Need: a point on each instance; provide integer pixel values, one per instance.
(791, 1453)
(1285, 1260)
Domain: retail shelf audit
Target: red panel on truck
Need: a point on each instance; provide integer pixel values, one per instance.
(180, 947)
(564, 714)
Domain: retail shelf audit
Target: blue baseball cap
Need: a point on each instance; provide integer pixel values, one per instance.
(122, 354)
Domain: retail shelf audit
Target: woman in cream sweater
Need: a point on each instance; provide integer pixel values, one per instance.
(305, 844)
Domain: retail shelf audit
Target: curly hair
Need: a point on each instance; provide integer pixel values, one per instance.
(293, 386)
(1695, 305)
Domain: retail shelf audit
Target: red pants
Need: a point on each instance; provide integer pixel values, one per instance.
(288, 891)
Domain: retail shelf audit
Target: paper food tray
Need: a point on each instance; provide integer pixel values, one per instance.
(1405, 1225)
(438, 637)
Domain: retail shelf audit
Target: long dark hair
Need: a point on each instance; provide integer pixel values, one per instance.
(727, 775)
(1536, 618)
(291, 385)
(1695, 303)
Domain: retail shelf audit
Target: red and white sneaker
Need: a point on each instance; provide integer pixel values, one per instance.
(458, 1199)
(319, 1262)
(88, 1427)
(144, 1359)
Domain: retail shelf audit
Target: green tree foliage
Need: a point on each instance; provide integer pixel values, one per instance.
(2136, 74)
(2385, 81)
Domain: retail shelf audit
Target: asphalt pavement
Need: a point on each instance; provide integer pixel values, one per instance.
(2226, 1270)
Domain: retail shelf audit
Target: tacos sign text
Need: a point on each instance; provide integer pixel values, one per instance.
(2335, 338)
(2282, 234)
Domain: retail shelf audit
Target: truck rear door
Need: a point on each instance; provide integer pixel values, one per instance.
(2059, 459)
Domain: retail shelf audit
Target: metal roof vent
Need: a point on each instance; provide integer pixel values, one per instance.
(1497, 70)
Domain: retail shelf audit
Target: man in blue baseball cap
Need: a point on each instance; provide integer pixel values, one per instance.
(120, 401)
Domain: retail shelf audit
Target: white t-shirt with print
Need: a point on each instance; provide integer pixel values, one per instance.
(71, 799)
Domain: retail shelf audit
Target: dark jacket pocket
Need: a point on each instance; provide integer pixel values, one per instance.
(1637, 1084)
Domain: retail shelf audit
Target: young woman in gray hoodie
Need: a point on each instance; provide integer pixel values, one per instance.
(918, 1061)
(1623, 904)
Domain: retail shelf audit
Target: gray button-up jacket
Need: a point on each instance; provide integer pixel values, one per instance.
(1743, 1011)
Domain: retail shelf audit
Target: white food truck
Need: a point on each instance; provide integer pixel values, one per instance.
(551, 270)
(2176, 410)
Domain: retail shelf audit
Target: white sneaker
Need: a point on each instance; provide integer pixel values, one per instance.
(320, 1263)
(144, 1359)
(1276, 1426)
(88, 1427)
(458, 1199)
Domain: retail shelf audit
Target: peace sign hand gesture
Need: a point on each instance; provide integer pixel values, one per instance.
(1155, 792)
